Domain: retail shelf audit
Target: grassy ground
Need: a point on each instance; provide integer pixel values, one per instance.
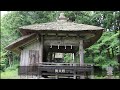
(105, 77)
(10, 74)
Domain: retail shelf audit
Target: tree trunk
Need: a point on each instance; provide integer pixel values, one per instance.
(10, 58)
(112, 52)
(108, 52)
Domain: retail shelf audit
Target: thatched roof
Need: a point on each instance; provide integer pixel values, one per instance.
(20, 41)
(62, 24)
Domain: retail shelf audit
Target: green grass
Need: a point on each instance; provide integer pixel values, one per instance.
(10, 74)
(105, 77)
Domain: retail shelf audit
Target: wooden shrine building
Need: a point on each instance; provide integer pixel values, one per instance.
(40, 41)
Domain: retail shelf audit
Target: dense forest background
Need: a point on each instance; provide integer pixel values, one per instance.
(103, 53)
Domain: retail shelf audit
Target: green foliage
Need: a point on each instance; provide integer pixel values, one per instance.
(99, 59)
(67, 58)
(10, 72)
(3, 61)
(88, 59)
(13, 67)
(99, 53)
(113, 63)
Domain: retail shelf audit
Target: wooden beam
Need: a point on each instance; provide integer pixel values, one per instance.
(58, 46)
(67, 35)
(62, 49)
(71, 46)
(72, 35)
(51, 46)
(61, 34)
(65, 46)
(52, 34)
(64, 42)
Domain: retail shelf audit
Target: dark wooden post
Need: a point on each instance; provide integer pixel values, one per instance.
(50, 56)
(81, 52)
(54, 55)
(45, 56)
(75, 59)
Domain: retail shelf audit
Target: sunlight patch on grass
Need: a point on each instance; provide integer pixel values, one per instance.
(10, 74)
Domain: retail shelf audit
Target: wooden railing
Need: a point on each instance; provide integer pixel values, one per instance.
(59, 69)
(62, 64)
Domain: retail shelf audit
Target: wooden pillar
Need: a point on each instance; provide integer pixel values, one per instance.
(73, 57)
(50, 56)
(45, 56)
(81, 52)
(41, 49)
(54, 55)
